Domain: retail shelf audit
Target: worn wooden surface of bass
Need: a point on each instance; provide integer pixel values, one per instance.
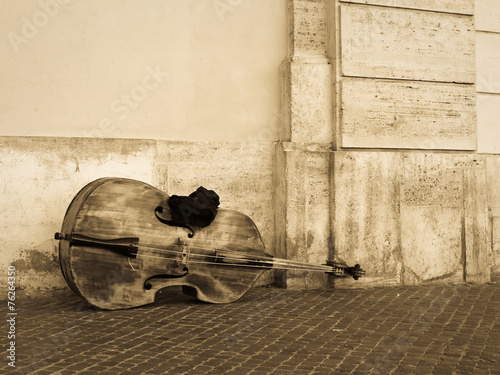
(116, 254)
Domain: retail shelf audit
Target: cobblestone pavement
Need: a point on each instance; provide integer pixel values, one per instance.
(394, 330)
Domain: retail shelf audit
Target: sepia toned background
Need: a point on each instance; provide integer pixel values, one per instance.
(362, 130)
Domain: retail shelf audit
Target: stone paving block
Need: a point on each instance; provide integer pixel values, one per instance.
(421, 330)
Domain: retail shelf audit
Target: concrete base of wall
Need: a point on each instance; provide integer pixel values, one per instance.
(407, 217)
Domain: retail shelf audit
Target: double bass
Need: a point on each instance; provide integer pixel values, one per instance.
(116, 254)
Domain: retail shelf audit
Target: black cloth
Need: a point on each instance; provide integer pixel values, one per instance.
(198, 209)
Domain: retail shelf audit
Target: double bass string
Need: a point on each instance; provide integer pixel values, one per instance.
(249, 257)
(279, 267)
(275, 263)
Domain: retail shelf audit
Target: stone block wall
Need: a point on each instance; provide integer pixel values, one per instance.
(406, 72)
(410, 196)
(412, 218)
(488, 111)
(488, 75)
(493, 180)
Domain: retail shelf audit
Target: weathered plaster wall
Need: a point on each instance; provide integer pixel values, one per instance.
(177, 94)
(40, 176)
(161, 69)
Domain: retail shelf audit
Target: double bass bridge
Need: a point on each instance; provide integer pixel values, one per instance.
(179, 270)
(185, 253)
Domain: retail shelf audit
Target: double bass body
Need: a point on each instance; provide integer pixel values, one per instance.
(116, 254)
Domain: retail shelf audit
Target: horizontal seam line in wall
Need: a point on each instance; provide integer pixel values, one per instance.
(407, 8)
(488, 93)
(409, 150)
(410, 80)
(488, 31)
